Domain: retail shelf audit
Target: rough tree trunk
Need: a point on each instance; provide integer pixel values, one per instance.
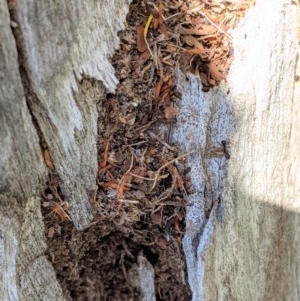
(247, 251)
(58, 44)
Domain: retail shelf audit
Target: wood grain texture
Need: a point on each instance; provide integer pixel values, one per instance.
(248, 247)
(62, 42)
(21, 164)
(25, 272)
(64, 48)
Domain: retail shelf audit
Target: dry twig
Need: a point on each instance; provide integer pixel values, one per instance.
(165, 165)
(122, 183)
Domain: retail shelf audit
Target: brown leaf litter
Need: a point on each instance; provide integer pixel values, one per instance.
(139, 206)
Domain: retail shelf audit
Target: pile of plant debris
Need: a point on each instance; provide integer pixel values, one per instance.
(139, 207)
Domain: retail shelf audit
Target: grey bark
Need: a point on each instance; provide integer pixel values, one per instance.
(248, 248)
(19, 146)
(25, 273)
(64, 48)
(61, 42)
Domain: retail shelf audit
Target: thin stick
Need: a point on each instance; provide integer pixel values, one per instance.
(213, 24)
(156, 8)
(152, 135)
(158, 171)
(123, 179)
(128, 201)
(144, 126)
(134, 144)
(170, 17)
(166, 164)
(140, 177)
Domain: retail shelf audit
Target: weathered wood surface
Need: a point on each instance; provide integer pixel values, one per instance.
(58, 44)
(21, 163)
(25, 273)
(248, 248)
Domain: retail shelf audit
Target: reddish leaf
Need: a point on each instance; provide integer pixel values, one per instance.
(170, 112)
(156, 218)
(171, 48)
(112, 185)
(194, 51)
(47, 159)
(159, 19)
(121, 187)
(142, 58)
(140, 41)
(158, 88)
(176, 224)
(162, 243)
(165, 93)
(105, 156)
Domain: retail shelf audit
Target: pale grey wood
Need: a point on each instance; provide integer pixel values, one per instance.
(141, 276)
(248, 247)
(62, 42)
(59, 44)
(25, 273)
(21, 163)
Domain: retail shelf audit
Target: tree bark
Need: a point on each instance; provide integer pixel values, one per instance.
(59, 45)
(248, 248)
(55, 67)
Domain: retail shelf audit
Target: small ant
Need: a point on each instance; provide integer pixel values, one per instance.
(225, 150)
(219, 151)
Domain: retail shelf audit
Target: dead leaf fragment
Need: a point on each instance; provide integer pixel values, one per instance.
(140, 42)
(158, 88)
(129, 119)
(159, 20)
(171, 112)
(51, 232)
(140, 173)
(162, 243)
(47, 159)
(204, 30)
(111, 185)
(156, 218)
(141, 60)
(103, 163)
(121, 187)
(194, 51)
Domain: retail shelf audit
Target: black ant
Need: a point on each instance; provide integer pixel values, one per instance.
(225, 150)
